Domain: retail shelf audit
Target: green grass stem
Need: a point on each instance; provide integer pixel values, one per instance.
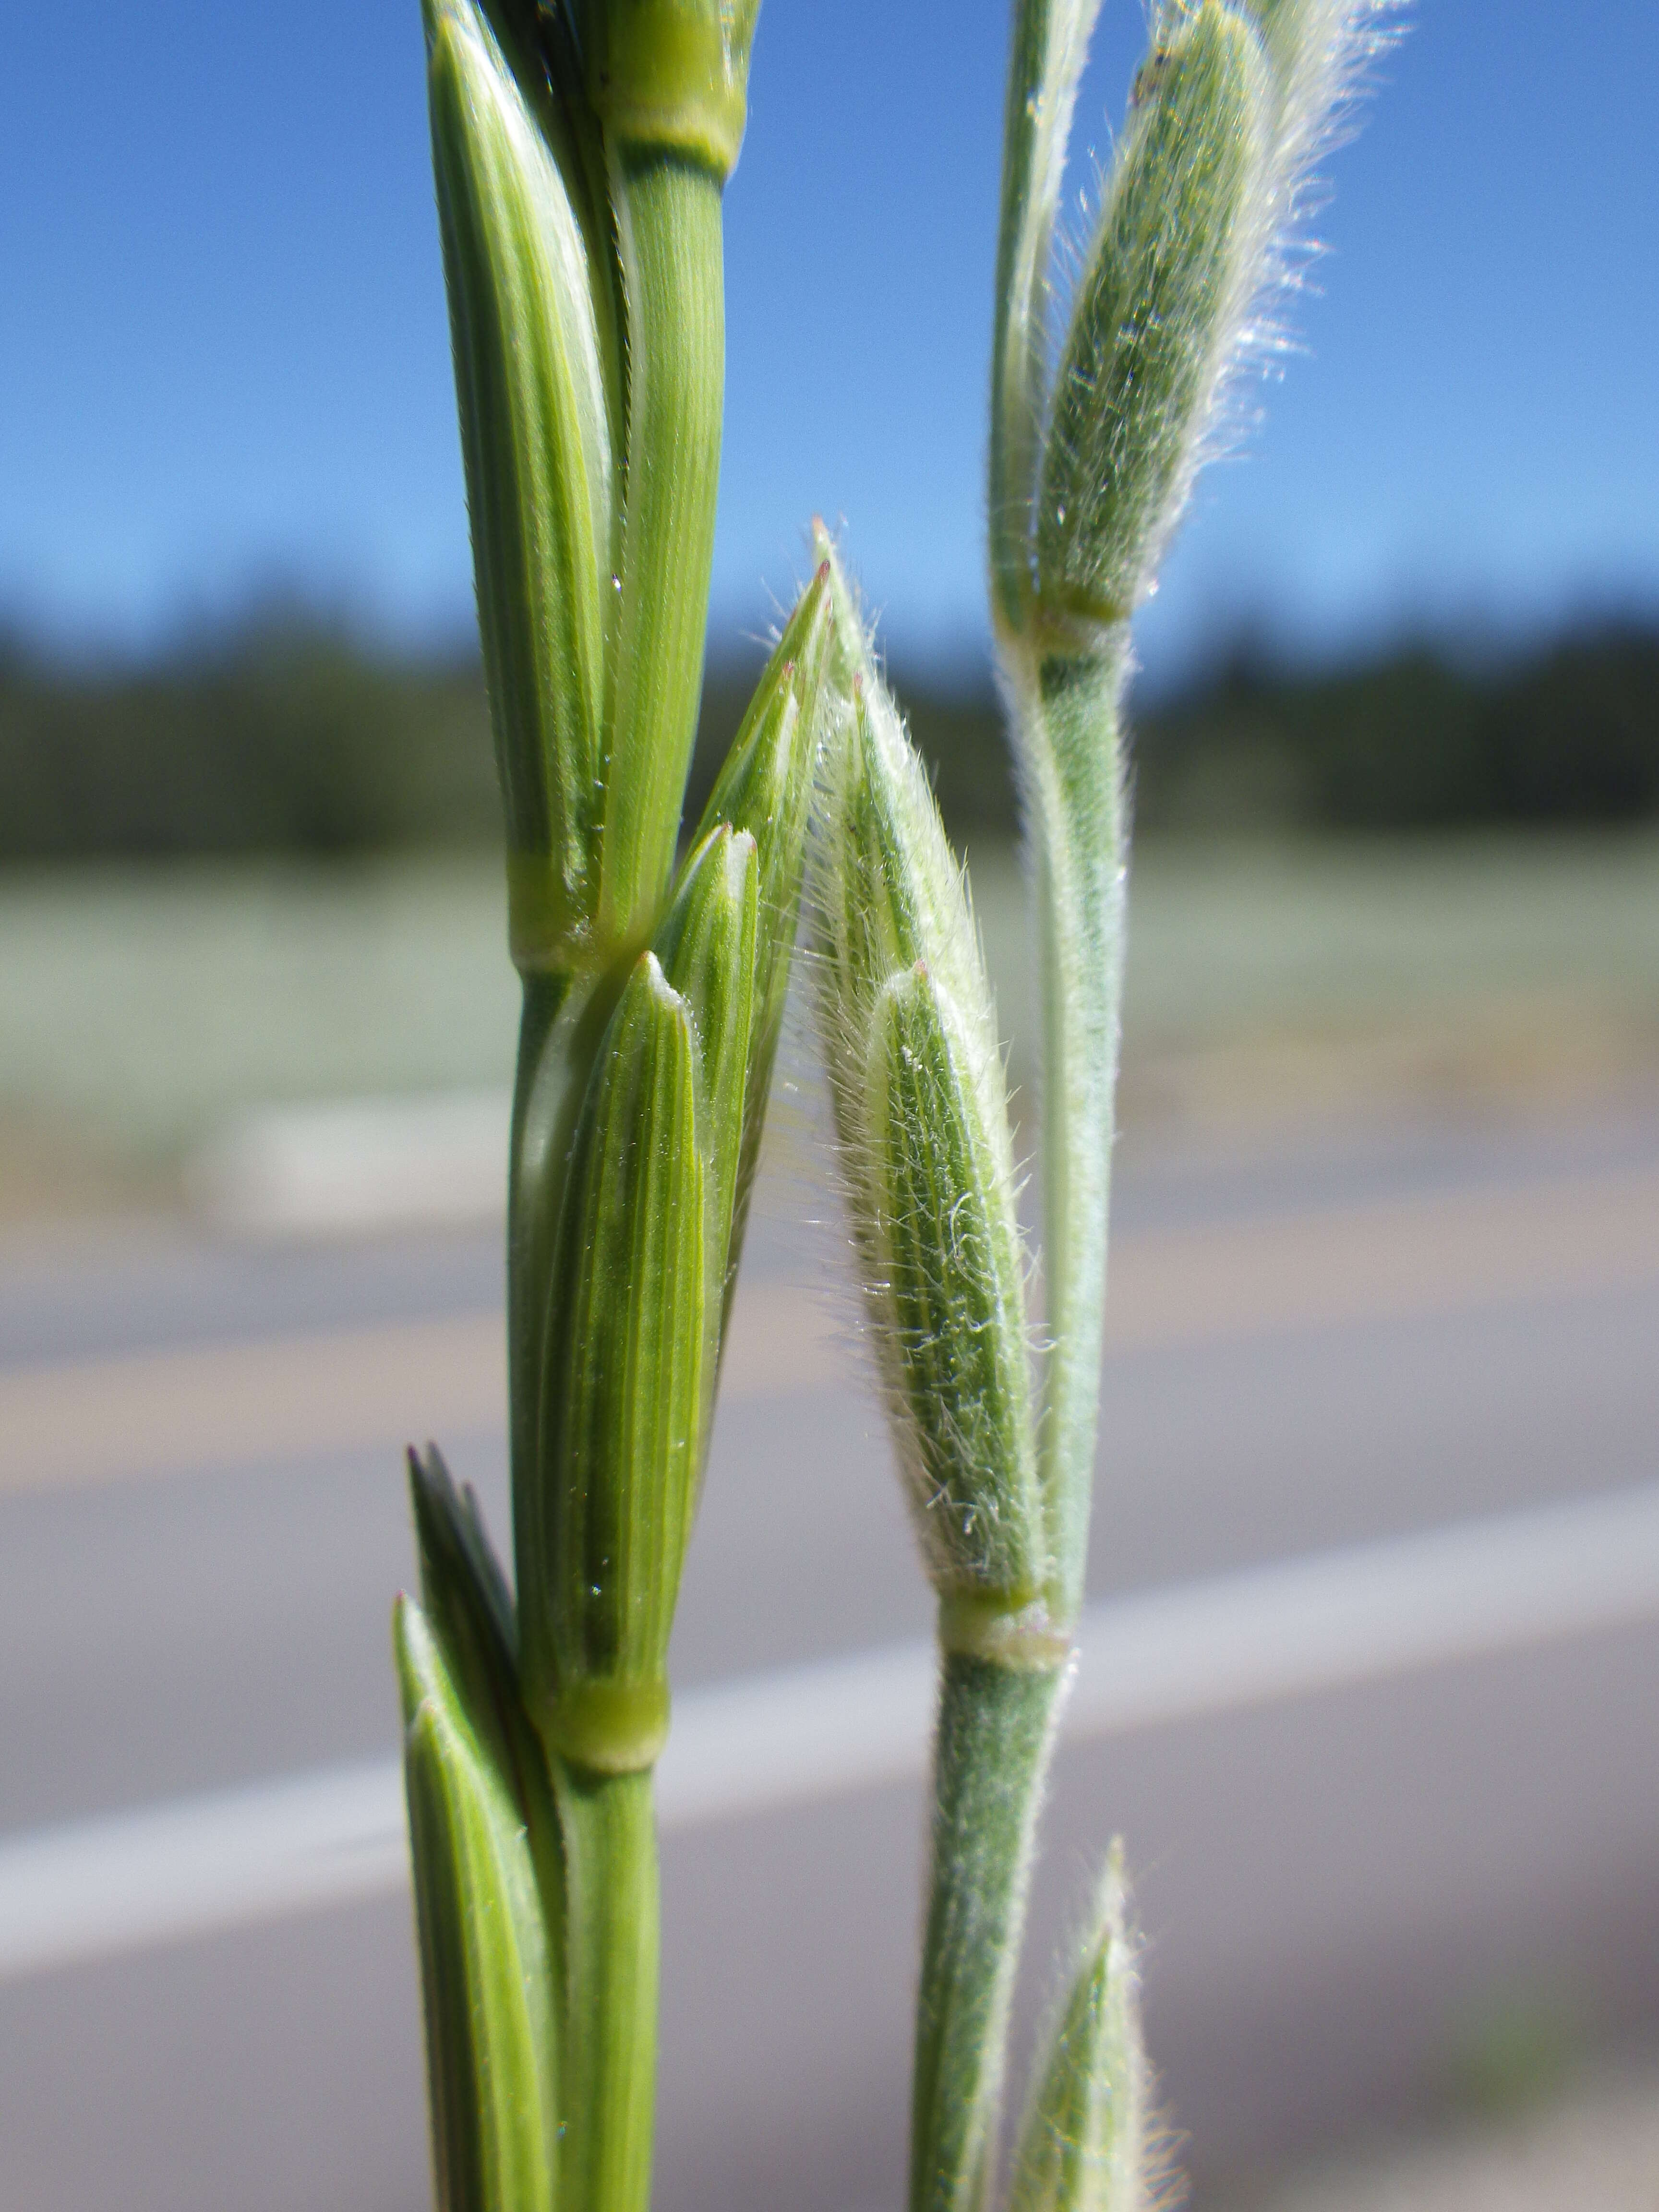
(609, 2077)
(668, 213)
(1070, 712)
(995, 1728)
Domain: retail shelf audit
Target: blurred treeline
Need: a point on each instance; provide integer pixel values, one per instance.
(290, 736)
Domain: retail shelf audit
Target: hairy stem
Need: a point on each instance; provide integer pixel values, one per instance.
(991, 1753)
(1069, 707)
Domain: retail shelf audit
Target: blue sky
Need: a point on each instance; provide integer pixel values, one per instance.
(225, 364)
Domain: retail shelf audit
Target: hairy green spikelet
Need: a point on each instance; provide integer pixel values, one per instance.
(1090, 470)
(921, 1116)
(1084, 2144)
(1050, 47)
(941, 1240)
(1195, 232)
(1088, 478)
(916, 1079)
(1173, 263)
(1319, 51)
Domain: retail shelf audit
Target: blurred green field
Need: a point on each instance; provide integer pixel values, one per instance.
(141, 1008)
(1277, 978)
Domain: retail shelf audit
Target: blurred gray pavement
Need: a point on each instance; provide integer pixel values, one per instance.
(1311, 1348)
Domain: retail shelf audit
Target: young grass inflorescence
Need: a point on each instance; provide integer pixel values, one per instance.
(1100, 418)
(580, 149)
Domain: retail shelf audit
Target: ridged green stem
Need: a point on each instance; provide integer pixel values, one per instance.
(669, 230)
(991, 1752)
(609, 2035)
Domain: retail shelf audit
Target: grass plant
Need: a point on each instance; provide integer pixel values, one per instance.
(579, 151)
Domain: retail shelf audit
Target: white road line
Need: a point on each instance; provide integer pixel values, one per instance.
(75, 1894)
(200, 1864)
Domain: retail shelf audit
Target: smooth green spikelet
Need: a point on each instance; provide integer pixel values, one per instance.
(601, 1539)
(765, 788)
(536, 442)
(1174, 261)
(922, 1117)
(469, 1612)
(707, 946)
(641, 1258)
(1084, 2145)
(485, 1956)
